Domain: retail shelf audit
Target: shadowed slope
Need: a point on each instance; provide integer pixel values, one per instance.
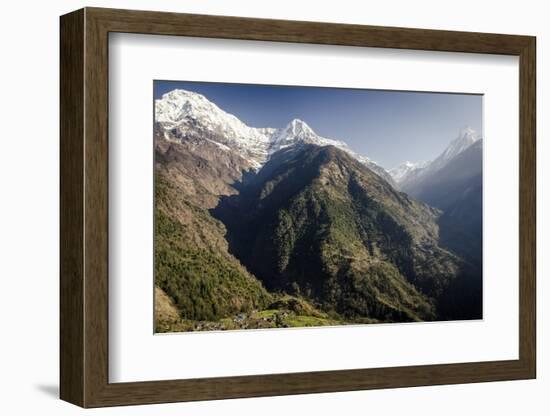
(317, 222)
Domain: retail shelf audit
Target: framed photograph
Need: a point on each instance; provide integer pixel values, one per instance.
(262, 207)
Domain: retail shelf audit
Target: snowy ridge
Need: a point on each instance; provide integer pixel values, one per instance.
(298, 131)
(405, 169)
(182, 114)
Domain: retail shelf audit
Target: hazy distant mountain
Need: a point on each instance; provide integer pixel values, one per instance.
(451, 183)
(401, 172)
(409, 175)
(465, 139)
(457, 189)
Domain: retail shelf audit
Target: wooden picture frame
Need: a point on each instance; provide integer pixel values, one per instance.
(84, 207)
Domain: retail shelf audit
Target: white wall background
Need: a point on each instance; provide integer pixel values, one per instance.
(29, 225)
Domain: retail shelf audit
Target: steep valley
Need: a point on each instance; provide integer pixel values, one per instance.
(299, 231)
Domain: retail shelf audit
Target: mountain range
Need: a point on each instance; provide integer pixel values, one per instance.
(271, 227)
(409, 174)
(185, 114)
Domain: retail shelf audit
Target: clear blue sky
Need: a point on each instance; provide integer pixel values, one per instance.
(389, 127)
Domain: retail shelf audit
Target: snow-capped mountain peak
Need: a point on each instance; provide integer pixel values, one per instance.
(183, 114)
(403, 170)
(181, 106)
(465, 139)
(176, 105)
(409, 165)
(410, 171)
(299, 127)
(298, 131)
